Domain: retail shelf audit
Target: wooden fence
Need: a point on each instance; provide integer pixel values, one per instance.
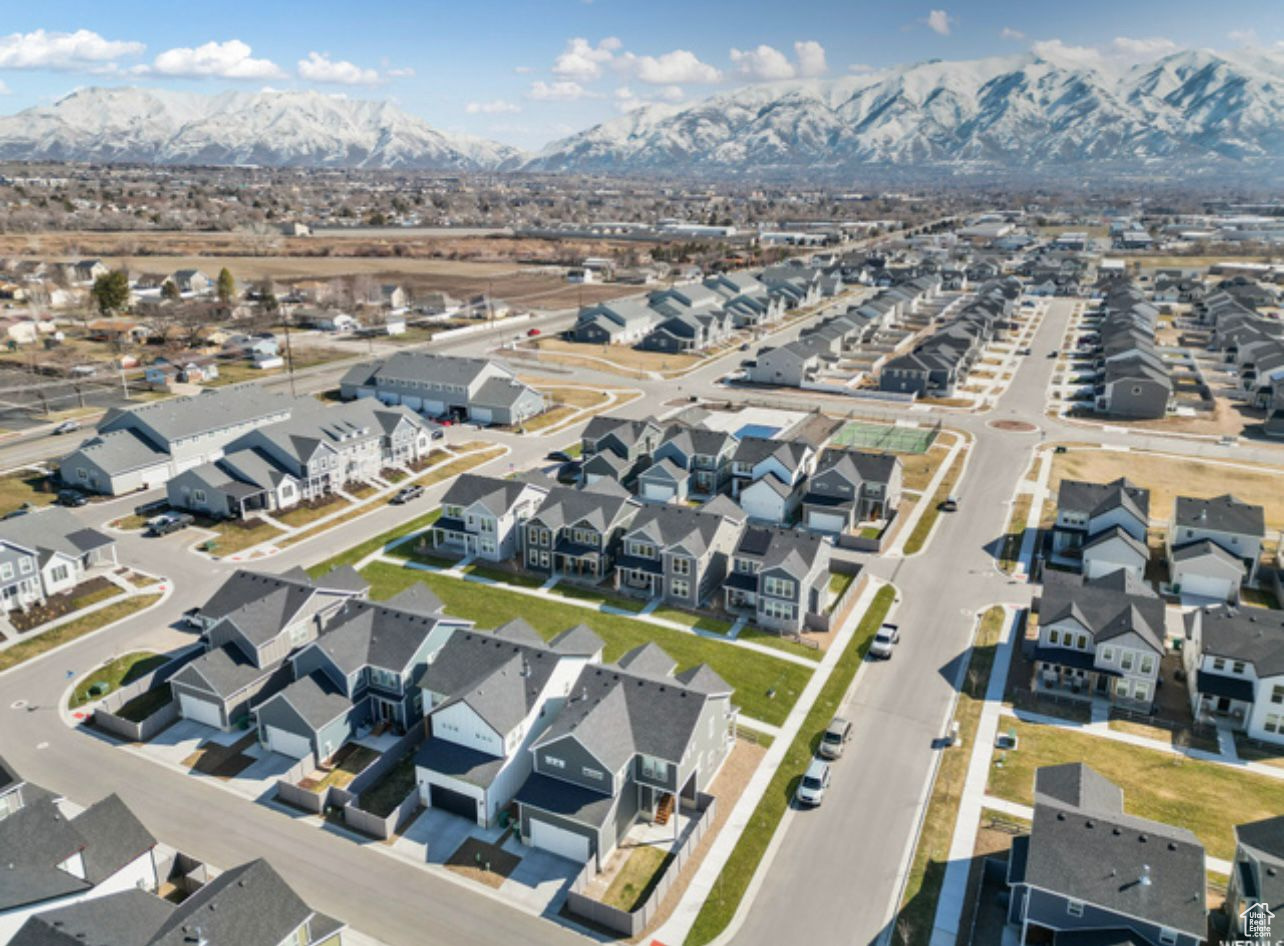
(106, 711)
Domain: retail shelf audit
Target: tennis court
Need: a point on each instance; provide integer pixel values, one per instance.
(889, 437)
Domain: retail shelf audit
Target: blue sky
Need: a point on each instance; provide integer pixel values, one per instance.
(528, 72)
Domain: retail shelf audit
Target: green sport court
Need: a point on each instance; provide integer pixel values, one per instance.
(885, 437)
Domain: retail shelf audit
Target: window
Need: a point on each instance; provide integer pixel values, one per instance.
(1141, 691)
(1168, 937)
(1277, 693)
(595, 774)
(682, 566)
(58, 574)
(777, 609)
(553, 762)
(1219, 663)
(1107, 654)
(1054, 636)
(1081, 642)
(1074, 907)
(656, 769)
(1237, 667)
(1126, 660)
(679, 588)
(6, 570)
(1147, 664)
(778, 587)
(198, 495)
(1274, 723)
(24, 566)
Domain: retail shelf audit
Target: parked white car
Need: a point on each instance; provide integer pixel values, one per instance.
(815, 781)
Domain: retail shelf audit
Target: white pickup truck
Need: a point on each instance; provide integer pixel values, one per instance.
(888, 637)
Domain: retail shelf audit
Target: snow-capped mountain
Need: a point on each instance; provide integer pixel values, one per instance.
(1027, 112)
(265, 128)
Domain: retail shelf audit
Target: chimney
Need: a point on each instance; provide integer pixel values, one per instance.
(1144, 880)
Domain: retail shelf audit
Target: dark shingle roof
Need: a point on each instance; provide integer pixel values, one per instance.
(1254, 635)
(1098, 498)
(1107, 607)
(1222, 513)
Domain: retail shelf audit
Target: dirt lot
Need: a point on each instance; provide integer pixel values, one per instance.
(1227, 418)
(629, 359)
(1167, 475)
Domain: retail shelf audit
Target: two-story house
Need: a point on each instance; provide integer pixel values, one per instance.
(1257, 875)
(360, 671)
(484, 516)
(47, 552)
(704, 454)
(630, 743)
(850, 487)
(1087, 866)
(1102, 527)
(487, 698)
(768, 477)
(1234, 660)
(676, 553)
(1100, 637)
(575, 532)
(778, 577)
(1214, 545)
(617, 448)
(249, 627)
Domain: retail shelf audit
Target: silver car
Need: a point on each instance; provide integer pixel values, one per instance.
(836, 736)
(815, 781)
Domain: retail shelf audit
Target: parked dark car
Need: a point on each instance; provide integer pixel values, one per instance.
(72, 497)
(949, 504)
(168, 522)
(407, 493)
(569, 472)
(560, 456)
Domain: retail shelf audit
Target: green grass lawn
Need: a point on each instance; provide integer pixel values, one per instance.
(752, 674)
(702, 622)
(231, 536)
(306, 513)
(599, 596)
(522, 579)
(927, 871)
(115, 674)
(1157, 785)
(923, 528)
(25, 486)
(30, 647)
(640, 873)
(359, 551)
(724, 898)
(771, 639)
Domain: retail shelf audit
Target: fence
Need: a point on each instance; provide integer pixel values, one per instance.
(631, 923)
(842, 608)
(106, 712)
(289, 791)
(860, 542)
(382, 828)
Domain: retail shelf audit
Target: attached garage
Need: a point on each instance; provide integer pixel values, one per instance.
(481, 415)
(200, 711)
(286, 743)
(559, 841)
(1204, 585)
(826, 521)
(457, 803)
(657, 492)
(1206, 569)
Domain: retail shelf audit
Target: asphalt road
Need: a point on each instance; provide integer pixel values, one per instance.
(834, 876)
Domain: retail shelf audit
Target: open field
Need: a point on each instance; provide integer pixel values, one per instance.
(1167, 475)
(23, 486)
(622, 356)
(1157, 785)
(765, 688)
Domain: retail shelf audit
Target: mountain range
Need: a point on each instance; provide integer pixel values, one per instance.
(1191, 109)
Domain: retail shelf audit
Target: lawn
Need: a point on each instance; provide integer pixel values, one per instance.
(1167, 475)
(1012, 538)
(359, 551)
(923, 528)
(641, 872)
(348, 763)
(25, 486)
(701, 622)
(600, 596)
(115, 674)
(631, 360)
(42, 643)
(724, 897)
(753, 675)
(927, 871)
(838, 585)
(1157, 785)
(305, 513)
(237, 535)
(787, 644)
(382, 798)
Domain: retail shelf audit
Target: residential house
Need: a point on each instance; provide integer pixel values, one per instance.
(483, 516)
(575, 532)
(630, 743)
(191, 281)
(1090, 872)
(618, 322)
(676, 553)
(1214, 545)
(702, 453)
(768, 477)
(1257, 874)
(359, 672)
(1234, 661)
(249, 627)
(487, 699)
(479, 390)
(45, 553)
(630, 442)
(778, 577)
(850, 487)
(1102, 527)
(1100, 638)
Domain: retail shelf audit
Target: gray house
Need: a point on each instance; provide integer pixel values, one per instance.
(676, 553)
(703, 453)
(1257, 877)
(1214, 545)
(575, 532)
(850, 487)
(45, 553)
(778, 577)
(1087, 868)
(483, 516)
(631, 743)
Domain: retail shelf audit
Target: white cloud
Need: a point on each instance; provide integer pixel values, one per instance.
(493, 107)
(403, 72)
(1120, 51)
(523, 70)
(861, 68)
(764, 63)
(1009, 33)
(811, 58)
(582, 61)
(1246, 37)
(41, 50)
(319, 67)
(1057, 51)
(229, 60)
(671, 68)
(940, 22)
(1141, 50)
(626, 100)
(562, 91)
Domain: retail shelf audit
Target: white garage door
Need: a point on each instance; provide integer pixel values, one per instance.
(657, 492)
(198, 710)
(559, 841)
(827, 522)
(287, 743)
(481, 415)
(1206, 586)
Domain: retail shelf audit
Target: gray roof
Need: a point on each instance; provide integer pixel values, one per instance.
(648, 659)
(566, 799)
(1254, 635)
(52, 530)
(564, 507)
(1098, 498)
(777, 547)
(127, 918)
(223, 671)
(118, 451)
(378, 634)
(248, 905)
(456, 761)
(420, 366)
(754, 450)
(1107, 607)
(669, 527)
(212, 409)
(1222, 513)
(615, 712)
(858, 466)
(262, 605)
(314, 698)
(1083, 846)
(495, 493)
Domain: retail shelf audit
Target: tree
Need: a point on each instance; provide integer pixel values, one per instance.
(169, 291)
(111, 291)
(226, 285)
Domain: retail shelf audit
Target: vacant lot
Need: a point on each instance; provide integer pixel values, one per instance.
(1167, 475)
(629, 359)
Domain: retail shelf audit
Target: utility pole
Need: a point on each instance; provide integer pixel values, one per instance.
(289, 353)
